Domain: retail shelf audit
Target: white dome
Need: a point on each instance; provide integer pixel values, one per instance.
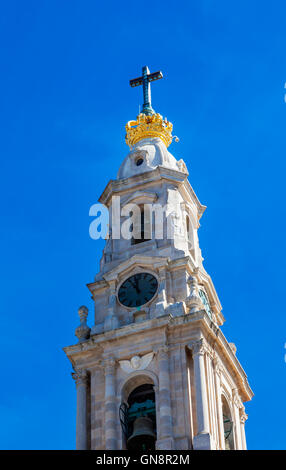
(146, 155)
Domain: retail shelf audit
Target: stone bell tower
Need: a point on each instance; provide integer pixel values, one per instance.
(155, 371)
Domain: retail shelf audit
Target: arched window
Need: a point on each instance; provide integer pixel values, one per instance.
(138, 419)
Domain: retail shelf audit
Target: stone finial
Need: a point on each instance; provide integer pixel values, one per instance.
(233, 348)
(194, 301)
(82, 332)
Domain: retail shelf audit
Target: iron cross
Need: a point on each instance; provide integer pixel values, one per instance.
(145, 80)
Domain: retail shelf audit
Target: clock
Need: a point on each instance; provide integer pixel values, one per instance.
(137, 290)
(206, 303)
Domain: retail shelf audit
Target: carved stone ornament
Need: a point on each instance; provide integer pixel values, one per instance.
(236, 398)
(82, 332)
(80, 376)
(217, 365)
(243, 416)
(194, 301)
(109, 364)
(136, 363)
(198, 347)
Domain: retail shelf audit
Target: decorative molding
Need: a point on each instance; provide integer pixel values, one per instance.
(163, 352)
(242, 415)
(136, 363)
(217, 365)
(108, 362)
(198, 347)
(80, 376)
(138, 196)
(236, 398)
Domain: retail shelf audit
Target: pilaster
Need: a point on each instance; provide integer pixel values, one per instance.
(203, 440)
(110, 405)
(243, 418)
(165, 439)
(217, 376)
(237, 404)
(111, 320)
(81, 379)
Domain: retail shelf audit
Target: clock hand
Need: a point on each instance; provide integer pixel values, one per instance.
(137, 286)
(134, 286)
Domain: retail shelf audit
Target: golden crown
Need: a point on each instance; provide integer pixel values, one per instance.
(148, 126)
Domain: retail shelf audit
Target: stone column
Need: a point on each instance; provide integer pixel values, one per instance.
(81, 378)
(243, 418)
(236, 405)
(111, 417)
(202, 441)
(165, 439)
(217, 374)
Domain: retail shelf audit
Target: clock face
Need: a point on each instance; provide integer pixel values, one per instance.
(137, 290)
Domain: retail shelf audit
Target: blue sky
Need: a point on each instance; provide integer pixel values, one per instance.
(65, 98)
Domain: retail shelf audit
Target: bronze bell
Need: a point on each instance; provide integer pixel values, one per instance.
(143, 436)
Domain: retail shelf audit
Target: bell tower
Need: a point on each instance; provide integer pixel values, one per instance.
(154, 370)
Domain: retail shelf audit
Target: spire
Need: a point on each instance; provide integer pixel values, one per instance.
(148, 124)
(145, 80)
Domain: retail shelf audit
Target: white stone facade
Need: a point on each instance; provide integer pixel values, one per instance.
(172, 342)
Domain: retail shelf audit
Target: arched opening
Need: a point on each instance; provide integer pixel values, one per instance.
(188, 228)
(138, 418)
(227, 425)
(190, 233)
(142, 228)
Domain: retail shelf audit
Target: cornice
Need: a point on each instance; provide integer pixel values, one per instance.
(212, 333)
(97, 286)
(124, 185)
(138, 196)
(200, 321)
(136, 260)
